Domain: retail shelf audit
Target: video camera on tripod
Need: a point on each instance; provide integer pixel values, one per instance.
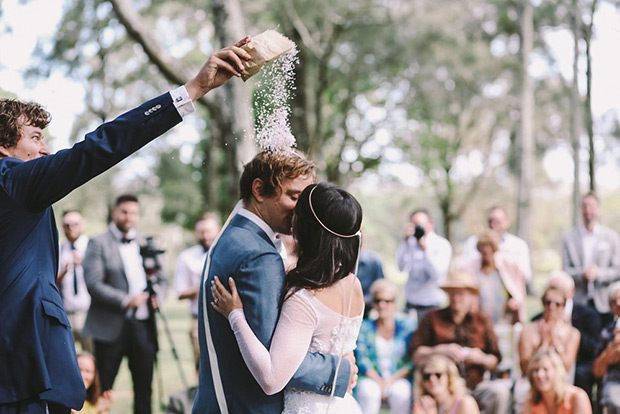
(151, 263)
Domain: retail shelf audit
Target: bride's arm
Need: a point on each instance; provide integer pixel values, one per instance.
(271, 368)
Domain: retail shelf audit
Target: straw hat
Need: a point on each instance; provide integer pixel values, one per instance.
(459, 279)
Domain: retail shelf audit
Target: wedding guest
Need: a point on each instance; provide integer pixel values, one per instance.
(552, 331)
(591, 255)
(440, 389)
(587, 322)
(550, 393)
(39, 372)
(512, 246)
(500, 279)
(607, 364)
(369, 270)
(189, 270)
(70, 279)
(465, 335)
(384, 367)
(96, 402)
(425, 256)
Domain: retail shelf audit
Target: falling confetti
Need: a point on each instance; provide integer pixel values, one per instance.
(271, 104)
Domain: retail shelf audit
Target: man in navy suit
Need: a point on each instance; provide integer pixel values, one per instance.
(248, 251)
(38, 366)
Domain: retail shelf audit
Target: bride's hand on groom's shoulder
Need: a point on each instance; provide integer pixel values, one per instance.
(224, 301)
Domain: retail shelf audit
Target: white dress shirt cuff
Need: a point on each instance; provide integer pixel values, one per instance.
(182, 101)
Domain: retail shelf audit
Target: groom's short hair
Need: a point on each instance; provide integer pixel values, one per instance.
(272, 169)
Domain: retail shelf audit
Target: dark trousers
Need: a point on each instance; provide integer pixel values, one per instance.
(138, 341)
(33, 407)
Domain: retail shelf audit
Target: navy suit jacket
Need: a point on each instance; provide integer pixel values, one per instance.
(245, 253)
(37, 353)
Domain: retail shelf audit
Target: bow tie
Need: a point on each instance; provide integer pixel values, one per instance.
(125, 240)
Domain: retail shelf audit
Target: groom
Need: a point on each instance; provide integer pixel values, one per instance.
(248, 251)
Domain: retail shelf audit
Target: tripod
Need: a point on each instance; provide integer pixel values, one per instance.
(150, 261)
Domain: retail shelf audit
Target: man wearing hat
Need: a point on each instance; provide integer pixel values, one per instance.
(461, 332)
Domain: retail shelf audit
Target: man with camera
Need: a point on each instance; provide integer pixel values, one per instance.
(122, 286)
(425, 256)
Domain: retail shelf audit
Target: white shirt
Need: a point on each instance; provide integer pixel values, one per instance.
(589, 240)
(189, 272)
(277, 242)
(182, 101)
(514, 247)
(427, 269)
(134, 270)
(73, 302)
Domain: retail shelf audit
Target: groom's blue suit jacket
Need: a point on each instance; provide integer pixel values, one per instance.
(37, 354)
(245, 253)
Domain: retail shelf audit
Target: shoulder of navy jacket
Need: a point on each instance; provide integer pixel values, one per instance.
(152, 109)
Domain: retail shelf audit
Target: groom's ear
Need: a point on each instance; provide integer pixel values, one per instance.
(258, 190)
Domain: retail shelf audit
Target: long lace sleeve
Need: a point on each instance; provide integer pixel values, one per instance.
(274, 368)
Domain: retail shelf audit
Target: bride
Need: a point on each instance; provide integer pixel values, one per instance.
(322, 300)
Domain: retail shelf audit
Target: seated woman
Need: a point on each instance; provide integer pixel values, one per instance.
(607, 364)
(95, 403)
(384, 367)
(440, 389)
(549, 391)
(551, 331)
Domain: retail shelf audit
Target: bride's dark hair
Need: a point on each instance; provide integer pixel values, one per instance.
(327, 229)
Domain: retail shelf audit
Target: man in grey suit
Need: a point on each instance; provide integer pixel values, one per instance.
(591, 255)
(121, 317)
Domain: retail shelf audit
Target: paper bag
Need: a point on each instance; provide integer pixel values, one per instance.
(263, 48)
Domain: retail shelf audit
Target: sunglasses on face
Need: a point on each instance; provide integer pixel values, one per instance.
(378, 301)
(548, 302)
(426, 376)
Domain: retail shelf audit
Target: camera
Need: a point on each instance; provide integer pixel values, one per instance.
(419, 232)
(151, 263)
(150, 256)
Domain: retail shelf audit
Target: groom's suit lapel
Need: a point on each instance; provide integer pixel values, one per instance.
(247, 224)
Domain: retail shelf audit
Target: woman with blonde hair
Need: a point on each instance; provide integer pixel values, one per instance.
(384, 367)
(551, 331)
(550, 393)
(440, 390)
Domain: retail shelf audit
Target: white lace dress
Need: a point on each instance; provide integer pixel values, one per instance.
(305, 324)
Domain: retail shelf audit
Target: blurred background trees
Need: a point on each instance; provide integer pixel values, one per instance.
(457, 102)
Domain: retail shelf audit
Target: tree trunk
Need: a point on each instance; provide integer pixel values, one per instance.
(526, 147)
(575, 112)
(588, 104)
(235, 99)
(230, 113)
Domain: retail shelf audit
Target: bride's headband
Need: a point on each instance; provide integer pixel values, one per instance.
(345, 236)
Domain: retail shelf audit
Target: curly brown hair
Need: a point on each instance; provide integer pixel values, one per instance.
(272, 169)
(14, 114)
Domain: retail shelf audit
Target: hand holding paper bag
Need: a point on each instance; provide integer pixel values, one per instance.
(264, 47)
